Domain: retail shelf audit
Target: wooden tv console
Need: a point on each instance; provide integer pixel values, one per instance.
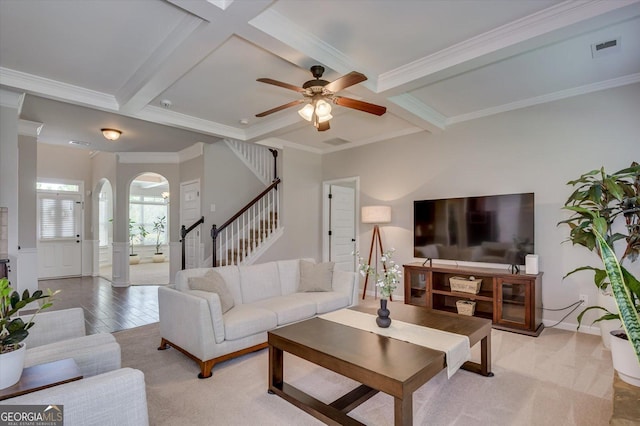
(513, 302)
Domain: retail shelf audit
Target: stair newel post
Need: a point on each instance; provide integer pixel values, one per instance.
(214, 236)
(183, 233)
(274, 152)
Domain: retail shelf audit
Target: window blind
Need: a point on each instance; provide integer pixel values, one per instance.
(57, 218)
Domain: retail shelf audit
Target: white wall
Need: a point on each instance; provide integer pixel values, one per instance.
(537, 149)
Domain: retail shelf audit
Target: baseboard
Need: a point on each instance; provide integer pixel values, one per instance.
(595, 330)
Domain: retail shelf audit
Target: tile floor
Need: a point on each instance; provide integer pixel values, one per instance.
(106, 308)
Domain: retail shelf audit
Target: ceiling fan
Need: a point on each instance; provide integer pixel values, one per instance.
(319, 94)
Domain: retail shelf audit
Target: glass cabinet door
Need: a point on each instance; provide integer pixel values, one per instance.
(416, 287)
(513, 302)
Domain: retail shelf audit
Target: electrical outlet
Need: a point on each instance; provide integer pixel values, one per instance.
(585, 300)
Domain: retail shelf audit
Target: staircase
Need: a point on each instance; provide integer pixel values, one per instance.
(251, 231)
(245, 236)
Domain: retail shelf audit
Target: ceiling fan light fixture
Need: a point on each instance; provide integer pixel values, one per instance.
(111, 134)
(307, 112)
(323, 108)
(323, 118)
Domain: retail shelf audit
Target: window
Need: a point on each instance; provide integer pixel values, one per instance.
(57, 187)
(144, 210)
(57, 217)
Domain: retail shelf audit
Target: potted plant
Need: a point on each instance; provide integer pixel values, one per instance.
(608, 196)
(140, 233)
(159, 226)
(13, 330)
(607, 207)
(387, 280)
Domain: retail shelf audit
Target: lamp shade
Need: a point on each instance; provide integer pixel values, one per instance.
(376, 214)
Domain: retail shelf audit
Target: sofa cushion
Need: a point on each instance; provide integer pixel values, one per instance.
(259, 282)
(315, 276)
(289, 271)
(290, 308)
(231, 276)
(326, 301)
(246, 320)
(213, 282)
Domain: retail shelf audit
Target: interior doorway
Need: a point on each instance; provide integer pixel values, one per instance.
(149, 221)
(340, 218)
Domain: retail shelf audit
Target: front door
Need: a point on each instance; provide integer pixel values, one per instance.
(342, 227)
(59, 235)
(190, 213)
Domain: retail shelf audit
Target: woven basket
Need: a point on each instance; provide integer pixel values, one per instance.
(466, 307)
(465, 285)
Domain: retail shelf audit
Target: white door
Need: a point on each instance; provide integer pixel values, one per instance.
(342, 227)
(59, 235)
(190, 213)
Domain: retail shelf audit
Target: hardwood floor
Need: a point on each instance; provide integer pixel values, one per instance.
(106, 308)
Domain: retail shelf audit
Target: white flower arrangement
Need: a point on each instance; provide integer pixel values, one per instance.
(387, 279)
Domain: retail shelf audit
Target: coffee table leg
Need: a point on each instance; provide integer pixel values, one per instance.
(403, 411)
(276, 368)
(485, 356)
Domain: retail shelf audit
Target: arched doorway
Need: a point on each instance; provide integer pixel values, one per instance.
(105, 229)
(148, 230)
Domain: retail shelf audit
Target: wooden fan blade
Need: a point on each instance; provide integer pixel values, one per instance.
(280, 108)
(360, 105)
(345, 81)
(323, 126)
(281, 84)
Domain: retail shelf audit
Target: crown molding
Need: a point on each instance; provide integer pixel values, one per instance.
(556, 96)
(194, 151)
(536, 24)
(10, 99)
(57, 90)
(420, 109)
(376, 138)
(29, 128)
(281, 144)
(187, 122)
(148, 157)
(297, 37)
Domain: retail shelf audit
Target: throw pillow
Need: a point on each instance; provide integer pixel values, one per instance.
(213, 283)
(315, 276)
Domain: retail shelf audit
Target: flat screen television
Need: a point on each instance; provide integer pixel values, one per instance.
(491, 228)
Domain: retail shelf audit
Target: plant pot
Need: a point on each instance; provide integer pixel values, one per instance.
(134, 259)
(11, 365)
(625, 361)
(607, 301)
(158, 258)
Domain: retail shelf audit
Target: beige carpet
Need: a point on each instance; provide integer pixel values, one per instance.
(144, 273)
(559, 378)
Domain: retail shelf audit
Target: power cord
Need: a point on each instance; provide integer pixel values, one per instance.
(575, 306)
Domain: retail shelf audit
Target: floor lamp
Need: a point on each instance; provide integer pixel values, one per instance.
(375, 215)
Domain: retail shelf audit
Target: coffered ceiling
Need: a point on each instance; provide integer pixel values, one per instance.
(98, 63)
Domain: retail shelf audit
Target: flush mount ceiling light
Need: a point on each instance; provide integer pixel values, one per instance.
(111, 134)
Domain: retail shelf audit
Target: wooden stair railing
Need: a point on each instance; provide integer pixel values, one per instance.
(183, 233)
(246, 229)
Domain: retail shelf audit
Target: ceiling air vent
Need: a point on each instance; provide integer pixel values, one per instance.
(336, 141)
(605, 47)
(79, 143)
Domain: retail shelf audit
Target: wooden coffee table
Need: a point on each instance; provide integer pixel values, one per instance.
(43, 376)
(384, 364)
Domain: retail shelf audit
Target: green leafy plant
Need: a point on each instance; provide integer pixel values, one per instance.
(388, 279)
(625, 287)
(136, 233)
(159, 226)
(15, 330)
(611, 198)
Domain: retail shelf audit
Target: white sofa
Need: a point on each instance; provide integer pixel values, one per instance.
(265, 296)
